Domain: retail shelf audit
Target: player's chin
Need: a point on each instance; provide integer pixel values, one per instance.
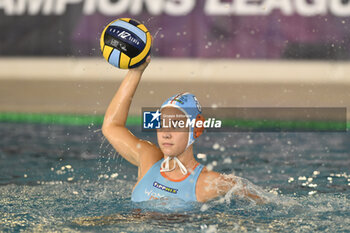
(168, 151)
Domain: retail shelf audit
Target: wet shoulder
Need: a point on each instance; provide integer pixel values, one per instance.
(206, 185)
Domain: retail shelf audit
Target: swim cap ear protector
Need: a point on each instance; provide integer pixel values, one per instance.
(189, 105)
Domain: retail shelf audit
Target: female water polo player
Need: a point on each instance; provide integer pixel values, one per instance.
(170, 170)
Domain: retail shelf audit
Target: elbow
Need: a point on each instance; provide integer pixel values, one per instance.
(106, 129)
(104, 126)
(107, 126)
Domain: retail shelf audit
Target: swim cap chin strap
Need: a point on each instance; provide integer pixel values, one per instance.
(164, 167)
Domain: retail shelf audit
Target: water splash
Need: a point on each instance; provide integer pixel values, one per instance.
(156, 33)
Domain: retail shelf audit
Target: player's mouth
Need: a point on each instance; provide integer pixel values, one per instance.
(166, 144)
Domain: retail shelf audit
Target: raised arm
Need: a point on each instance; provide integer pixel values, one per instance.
(114, 129)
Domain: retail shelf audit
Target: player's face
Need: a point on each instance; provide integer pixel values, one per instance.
(173, 136)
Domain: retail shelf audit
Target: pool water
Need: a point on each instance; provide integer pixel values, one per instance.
(70, 179)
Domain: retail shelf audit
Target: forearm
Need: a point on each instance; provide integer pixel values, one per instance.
(118, 109)
(253, 196)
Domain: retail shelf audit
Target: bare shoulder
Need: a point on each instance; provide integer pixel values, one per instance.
(211, 177)
(212, 184)
(206, 185)
(207, 176)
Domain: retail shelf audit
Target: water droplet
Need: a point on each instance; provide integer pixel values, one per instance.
(204, 208)
(114, 175)
(210, 167)
(227, 160)
(216, 146)
(202, 156)
(312, 192)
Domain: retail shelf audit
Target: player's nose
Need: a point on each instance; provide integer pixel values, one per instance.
(166, 134)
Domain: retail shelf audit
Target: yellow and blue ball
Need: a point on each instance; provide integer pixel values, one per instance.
(125, 43)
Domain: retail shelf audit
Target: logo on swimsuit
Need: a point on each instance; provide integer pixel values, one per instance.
(153, 195)
(165, 188)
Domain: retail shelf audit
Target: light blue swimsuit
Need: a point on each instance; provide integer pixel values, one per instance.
(154, 186)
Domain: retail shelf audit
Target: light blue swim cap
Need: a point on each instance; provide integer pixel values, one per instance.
(189, 105)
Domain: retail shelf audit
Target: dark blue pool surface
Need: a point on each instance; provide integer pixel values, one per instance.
(70, 179)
